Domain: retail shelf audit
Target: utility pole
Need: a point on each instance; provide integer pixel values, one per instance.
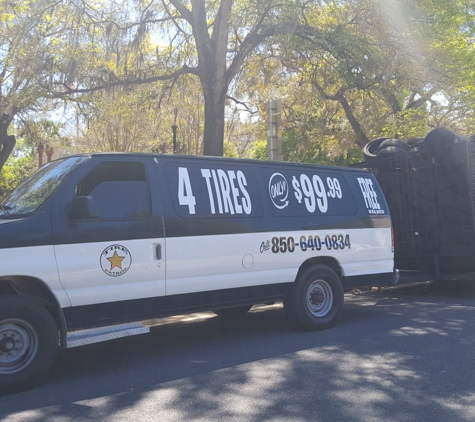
(274, 129)
(174, 120)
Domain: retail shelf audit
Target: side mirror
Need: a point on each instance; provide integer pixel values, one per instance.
(84, 208)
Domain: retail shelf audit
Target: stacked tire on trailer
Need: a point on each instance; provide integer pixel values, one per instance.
(427, 185)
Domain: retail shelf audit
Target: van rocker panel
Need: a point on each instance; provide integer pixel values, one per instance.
(90, 316)
(81, 317)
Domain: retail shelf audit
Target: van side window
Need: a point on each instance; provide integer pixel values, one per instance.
(119, 189)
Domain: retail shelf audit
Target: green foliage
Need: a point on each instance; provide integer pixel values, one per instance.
(18, 167)
(259, 152)
(137, 119)
(407, 124)
(230, 150)
(317, 154)
(24, 160)
(46, 132)
(403, 66)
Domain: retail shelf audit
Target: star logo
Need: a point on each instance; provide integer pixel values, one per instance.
(115, 260)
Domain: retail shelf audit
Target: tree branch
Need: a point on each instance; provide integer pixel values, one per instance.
(252, 40)
(248, 109)
(220, 35)
(182, 9)
(420, 101)
(138, 81)
(361, 138)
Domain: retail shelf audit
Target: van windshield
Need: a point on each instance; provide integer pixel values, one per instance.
(34, 191)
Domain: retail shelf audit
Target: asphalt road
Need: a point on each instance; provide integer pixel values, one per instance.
(394, 356)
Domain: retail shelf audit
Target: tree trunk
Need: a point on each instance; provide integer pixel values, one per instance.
(361, 138)
(7, 142)
(213, 138)
(392, 100)
(212, 72)
(214, 92)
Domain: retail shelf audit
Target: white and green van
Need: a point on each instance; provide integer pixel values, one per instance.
(92, 245)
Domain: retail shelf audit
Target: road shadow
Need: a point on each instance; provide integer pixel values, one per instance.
(393, 355)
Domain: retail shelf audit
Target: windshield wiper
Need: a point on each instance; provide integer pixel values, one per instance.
(5, 209)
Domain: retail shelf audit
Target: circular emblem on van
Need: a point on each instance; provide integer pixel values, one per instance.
(115, 260)
(279, 190)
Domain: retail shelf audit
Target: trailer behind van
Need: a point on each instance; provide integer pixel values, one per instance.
(431, 192)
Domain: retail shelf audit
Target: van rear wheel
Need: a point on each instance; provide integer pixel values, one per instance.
(316, 300)
(28, 343)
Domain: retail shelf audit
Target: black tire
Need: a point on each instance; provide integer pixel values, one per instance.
(461, 138)
(390, 152)
(420, 156)
(415, 140)
(389, 179)
(232, 313)
(369, 150)
(440, 138)
(393, 143)
(28, 343)
(419, 145)
(315, 300)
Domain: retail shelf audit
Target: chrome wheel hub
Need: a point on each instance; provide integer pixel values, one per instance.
(319, 298)
(18, 345)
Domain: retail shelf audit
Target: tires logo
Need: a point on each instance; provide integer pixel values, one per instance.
(115, 260)
(370, 196)
(279, 190)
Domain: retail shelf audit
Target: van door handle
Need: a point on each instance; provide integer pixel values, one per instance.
(159, 251)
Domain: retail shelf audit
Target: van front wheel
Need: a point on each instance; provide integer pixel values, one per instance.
(316, 300)
(28, 343)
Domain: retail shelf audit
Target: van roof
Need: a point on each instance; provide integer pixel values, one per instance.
(215, 158)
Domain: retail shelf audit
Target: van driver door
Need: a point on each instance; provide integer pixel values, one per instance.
(117, 256)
